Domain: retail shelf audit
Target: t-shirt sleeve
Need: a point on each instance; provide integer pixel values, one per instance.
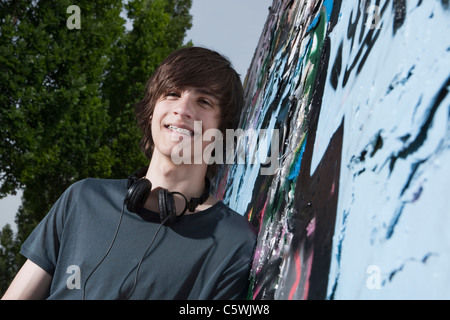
(234, 282)
(42, 245)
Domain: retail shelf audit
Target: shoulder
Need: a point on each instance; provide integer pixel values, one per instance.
(89, 185)
(234, 224)
(95, 190)
(99, 183)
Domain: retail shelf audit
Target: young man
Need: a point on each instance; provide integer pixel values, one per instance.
(159, 234)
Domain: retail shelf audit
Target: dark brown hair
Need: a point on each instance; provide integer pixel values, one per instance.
(192, 67)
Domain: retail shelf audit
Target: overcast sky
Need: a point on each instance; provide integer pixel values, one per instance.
(231, 27)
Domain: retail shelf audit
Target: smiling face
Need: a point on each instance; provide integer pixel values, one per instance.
(180, 118)
(214, 80)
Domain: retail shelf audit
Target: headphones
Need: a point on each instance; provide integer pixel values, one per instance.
(139, 189)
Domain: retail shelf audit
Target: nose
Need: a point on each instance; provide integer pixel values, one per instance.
(184, 106)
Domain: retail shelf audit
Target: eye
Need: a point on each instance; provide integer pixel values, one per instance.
(172, 94)
(205, 102)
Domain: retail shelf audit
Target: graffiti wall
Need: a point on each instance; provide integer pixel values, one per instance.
(353, 96)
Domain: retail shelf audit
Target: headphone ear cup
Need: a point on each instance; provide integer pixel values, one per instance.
(166, 207)
(137, 194)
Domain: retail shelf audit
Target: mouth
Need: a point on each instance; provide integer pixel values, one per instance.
(183, 131)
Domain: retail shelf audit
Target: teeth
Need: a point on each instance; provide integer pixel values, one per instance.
(180, 130)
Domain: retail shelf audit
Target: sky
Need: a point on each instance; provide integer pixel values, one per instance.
(230, 27)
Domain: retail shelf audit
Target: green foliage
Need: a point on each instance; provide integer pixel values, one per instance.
(67, 96)
(9, 261)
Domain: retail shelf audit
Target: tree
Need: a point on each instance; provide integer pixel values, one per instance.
(67, 95)
(8, 259)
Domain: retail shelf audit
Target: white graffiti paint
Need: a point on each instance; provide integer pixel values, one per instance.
(393, 208)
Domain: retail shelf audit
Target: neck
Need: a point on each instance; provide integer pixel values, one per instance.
(186, 179)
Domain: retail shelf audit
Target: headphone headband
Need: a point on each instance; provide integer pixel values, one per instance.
(136, 176)
(195, 202)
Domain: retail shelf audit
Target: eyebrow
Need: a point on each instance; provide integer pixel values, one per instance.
(208, 92)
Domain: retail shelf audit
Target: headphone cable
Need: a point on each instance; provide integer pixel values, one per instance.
(151, 243)
(107, 252)
(140, 261)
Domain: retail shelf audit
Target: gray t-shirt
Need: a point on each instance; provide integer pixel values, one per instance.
(206, 255)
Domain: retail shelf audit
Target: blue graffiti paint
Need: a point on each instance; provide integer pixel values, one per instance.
(364, 115)
(295, 168)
